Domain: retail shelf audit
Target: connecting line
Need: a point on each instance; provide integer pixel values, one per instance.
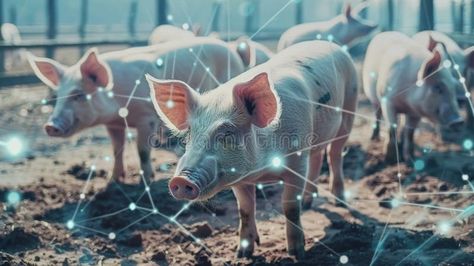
(147, 189)
(272, 18)
(470, 184)
(381, 241)
(90, 229)
(132, 97)
(417, 249)
(205, 67)
(399, 175)
(413, 204)
(102, 216)
(133, 92)
(135, 222)
(185, 207)
(92, 170)
(439, 193)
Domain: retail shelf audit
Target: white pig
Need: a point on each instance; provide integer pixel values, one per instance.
(11, 35)
(401, 76)
(463, 61)
(270, 123)
(342, 29)
(166, 33)
(105, 89)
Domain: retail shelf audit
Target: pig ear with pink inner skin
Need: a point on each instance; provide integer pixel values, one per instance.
(258, 99)
(432, 44)
(95, 72)
(469, 53)
(347, 10)
(173, 100)
(47, 70)
(431, 65)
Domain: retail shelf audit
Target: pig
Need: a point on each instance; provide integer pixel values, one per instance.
(166, 33)
(342, 29)
(463, 58)
(401, 76)
(270, 123)
(252, 53)
(11, 35)
(105, 89)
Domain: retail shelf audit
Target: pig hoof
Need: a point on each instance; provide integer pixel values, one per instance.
(299, 253)
(244, 253)
(307, 203)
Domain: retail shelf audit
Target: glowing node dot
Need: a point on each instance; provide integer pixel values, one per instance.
(456, 66)
(185, 26)
(462, 79)
(123, 112)
(394, 125)
(232, 169)
(384, 99)
(343, 259)
(395, 203)
(314, 195)
(70, 224)
(169, 104)
(194, 64)
(93, 167)
(100, 89)
(14, 146)
(347, 194)
(129, 135)
(467, 94)
(107, 158)
(191, 50)
(44, 101)
(420, 83)
(467, 144)
(198, 240)
(155, 211)
(447, 63)
(82, 196)
(13, 198)
(172, 219)
(374, 125)
(338, 109)
(316, 240)
(298, 197)
(110, 94)
(373, 74)
(345, 48)
(112, 236)
(159, 62)
(389, 88)
(137, 82)
(242, 45)
(147, 189)
(419, 165)
(298, 153)
(208, 69)
(399, 175)
(318, 36)
(244, 243)
(465, 177)
(260, 186)
(88, 97)
(281, 182)
(330, 37)
(169, 17)
(132, 206)
(276, 162)
(444, 227)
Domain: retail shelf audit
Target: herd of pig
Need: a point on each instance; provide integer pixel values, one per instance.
(249, 116)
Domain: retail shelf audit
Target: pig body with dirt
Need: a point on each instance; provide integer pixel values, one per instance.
(270, 123)
(401, 76)
(108, 89)
(342, 29)
(463, 61)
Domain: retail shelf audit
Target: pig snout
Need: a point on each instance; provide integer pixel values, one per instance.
(55, 128)
(183, 188)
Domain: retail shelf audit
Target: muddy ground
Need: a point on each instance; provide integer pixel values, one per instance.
(52, 174)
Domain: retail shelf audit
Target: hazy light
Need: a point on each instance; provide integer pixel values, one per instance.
(242, 45)
(276, 162)
(462, 79)
(444, 227)
(347, 194)
(318, 36)
(467, 94)
(123, 112)
(343, 259)
(137, 82)
(185, 26)
(232, 169)
(260, 186)
(110, 94)
(315, 195)
(447, 63)
(14, 146)
(467, 144)
(88, 97)
(44, 101)
(465, 177)
(419, 165)
(169, 17)
(159, 62)
(395, 203)
(244, 243)
(420, 83)
(112, 236)
(13, 198)
(169, 104)
(132, 206)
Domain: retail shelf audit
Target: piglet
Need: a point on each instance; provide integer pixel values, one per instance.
(270, 123)
(342, 29)
(108, 89)
(401, 76)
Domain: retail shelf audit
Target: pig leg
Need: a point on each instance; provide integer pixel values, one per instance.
(144, 134)
(248, 233)
(391, 153)
(294, 187)
(376, 131)
(408, 133)
(314, 169)
(117, 134)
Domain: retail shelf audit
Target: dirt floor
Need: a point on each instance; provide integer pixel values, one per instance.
(428, 227)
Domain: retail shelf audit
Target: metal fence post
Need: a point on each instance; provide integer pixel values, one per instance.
(391, 15)
(216, 7)
(2, 52)
(83, 23)
(51, 11)
(132, 19)
(299, 12)
(161, 12)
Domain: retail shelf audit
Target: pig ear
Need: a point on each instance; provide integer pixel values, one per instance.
(469, 53)
(347, 9)
(47, 70)
(259, 100)
(246, 52)
(356, 11)
(431, 65)
(432, 43)
(173, 100)
(95, 71)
